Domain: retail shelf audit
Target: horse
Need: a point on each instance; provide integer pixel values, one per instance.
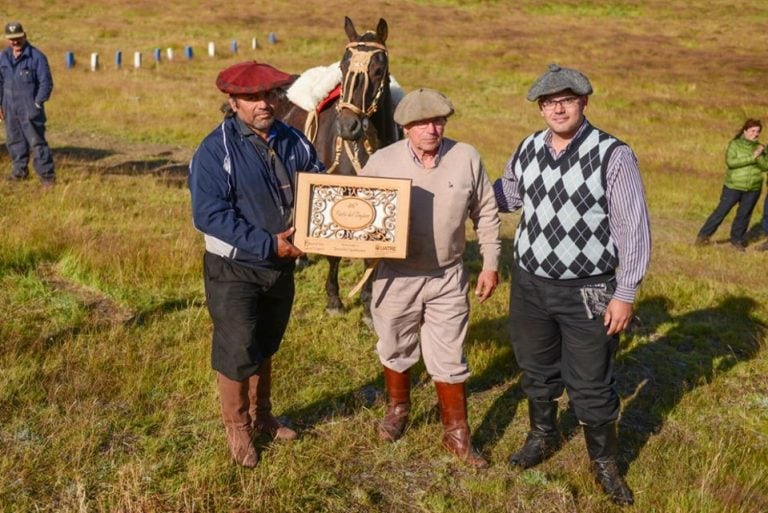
(353, 121)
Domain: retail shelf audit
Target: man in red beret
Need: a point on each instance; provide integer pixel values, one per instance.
(241, 180)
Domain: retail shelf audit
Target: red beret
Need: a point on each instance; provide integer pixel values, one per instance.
(251, 77)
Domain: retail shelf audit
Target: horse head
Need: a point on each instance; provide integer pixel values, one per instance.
(364, 85)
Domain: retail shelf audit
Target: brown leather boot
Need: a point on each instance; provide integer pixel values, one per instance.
(260, 391)
(237, 422)
(453, 414)
(399, 406)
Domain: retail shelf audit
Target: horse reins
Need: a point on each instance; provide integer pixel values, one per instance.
(358, 66)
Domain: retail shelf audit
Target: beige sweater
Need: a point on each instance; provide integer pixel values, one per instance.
(442, 198)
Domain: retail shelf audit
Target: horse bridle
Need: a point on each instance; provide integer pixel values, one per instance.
(358, 66)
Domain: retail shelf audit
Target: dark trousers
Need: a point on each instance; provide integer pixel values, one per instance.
(22, 134)
(730, 197)
(764, 223)
(250, 309)
(559, 347)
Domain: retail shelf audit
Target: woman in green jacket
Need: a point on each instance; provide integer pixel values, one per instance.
(747, 161)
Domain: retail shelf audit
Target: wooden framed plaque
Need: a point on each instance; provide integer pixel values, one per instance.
(352, 216)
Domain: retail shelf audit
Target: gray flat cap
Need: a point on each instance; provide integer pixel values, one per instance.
(421, 104)
(558, 79)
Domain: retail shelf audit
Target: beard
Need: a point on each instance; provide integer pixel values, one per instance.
(259, 123)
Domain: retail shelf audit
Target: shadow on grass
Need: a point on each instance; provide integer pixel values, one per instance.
(680, 354)
(334, 405)
(81, 154)
(755, 233)
(501, 371)
(162, 166)
(498, 373)
(104, 315)
(675, 354)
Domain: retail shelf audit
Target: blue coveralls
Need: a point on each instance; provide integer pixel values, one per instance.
(25, 86)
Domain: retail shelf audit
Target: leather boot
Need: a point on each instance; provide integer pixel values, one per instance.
(260, 391)
(543, 439)
(237, 422)
(398, 386)
(602, 446)
(453, 414)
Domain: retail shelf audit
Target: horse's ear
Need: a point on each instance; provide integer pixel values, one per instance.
(349, 28)
(382, 30)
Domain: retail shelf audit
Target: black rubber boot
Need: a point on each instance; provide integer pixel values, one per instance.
(602, 446)
(543, 439)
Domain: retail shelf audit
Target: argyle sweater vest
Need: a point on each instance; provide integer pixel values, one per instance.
(564, 232)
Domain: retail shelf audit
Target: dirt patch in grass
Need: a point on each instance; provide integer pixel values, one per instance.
(103, 311)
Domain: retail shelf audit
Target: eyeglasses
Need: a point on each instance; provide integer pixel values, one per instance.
(550, 104)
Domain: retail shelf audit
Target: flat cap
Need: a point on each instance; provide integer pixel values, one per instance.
(251, 77)
(14, 30)
(421, 104)
(558, 79)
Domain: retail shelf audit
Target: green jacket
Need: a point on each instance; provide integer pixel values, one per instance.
(745, 172)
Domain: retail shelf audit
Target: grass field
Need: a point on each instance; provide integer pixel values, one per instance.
(107, 399)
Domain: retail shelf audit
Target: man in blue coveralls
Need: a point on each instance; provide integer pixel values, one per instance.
(25, 86)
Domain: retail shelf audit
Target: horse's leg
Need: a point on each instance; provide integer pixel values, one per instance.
(333, 306)
(302, 262)
(366, 293)
(365, 297)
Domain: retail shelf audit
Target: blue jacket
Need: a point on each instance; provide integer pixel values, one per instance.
(235, 198)
(26, 82)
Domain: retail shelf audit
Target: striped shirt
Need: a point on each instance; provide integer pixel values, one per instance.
(627, 212)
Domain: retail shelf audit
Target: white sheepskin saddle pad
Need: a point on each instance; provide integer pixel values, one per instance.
(314, 85)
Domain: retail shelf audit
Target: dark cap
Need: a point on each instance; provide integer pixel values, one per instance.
(422, 104)
(14, 30)
(252, 77)
(558, 79)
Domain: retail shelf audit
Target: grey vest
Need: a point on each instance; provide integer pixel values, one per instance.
(564, 232)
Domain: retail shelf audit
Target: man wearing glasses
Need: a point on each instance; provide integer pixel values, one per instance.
(581, 250)
(241, 181)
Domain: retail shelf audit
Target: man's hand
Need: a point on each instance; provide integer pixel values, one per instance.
(2, 114)
(486, 284)
(285, 248)
(617, 316)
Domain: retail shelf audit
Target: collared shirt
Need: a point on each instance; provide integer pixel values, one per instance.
(418, 161)
(279, 178)
(627, 211)
(234, 200)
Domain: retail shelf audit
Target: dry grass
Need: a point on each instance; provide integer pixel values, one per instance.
(122, 416)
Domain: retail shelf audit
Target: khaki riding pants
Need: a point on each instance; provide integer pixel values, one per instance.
(422, 314)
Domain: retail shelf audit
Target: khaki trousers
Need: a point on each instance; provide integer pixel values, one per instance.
(422, 314)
